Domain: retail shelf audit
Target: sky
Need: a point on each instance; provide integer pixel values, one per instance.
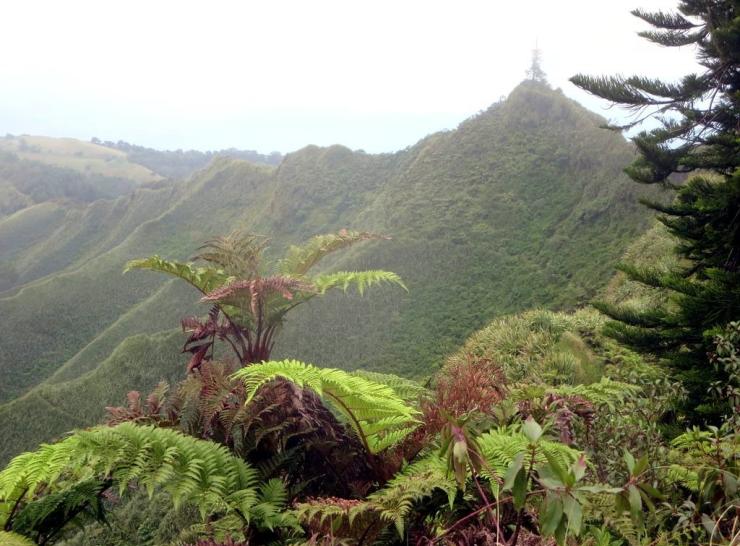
(278, 75)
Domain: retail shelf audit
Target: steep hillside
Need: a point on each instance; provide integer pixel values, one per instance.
(51, 236)
(523, 205)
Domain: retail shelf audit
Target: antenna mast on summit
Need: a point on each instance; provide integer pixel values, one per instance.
(535, 72)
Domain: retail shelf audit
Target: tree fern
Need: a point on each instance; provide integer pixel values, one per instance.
(378, 415)
(250, 300)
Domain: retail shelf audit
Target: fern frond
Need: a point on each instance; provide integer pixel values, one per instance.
(299, 260)
(390, 506)
(416, 482)
(256, 291)
(379, 417)
(192, 471)
(360, 280)
(500, 446)
(239, 254)
(205, 279)
(409, 391)
(605, 392)
(45, 517)
(342, 521)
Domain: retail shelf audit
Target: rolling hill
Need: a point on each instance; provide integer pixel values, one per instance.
(523, 205)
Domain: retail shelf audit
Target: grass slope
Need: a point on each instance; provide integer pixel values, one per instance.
(70, 153)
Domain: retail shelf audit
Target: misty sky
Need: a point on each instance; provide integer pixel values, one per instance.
(278, 75)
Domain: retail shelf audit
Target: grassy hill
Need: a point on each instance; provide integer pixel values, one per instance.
(85, 157)
(523, 205)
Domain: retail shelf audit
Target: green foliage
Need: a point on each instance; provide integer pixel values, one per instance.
(533, 345)
(705, 464)
(377, 414)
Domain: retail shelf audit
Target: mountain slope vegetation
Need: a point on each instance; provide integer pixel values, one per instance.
(522, 205)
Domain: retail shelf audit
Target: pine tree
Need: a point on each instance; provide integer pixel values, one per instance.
(697, 140)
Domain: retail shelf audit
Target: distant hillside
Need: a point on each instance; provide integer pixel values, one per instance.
(182, 164)
(25, 182)
(46, 187)
(522, 206)
(76, 155)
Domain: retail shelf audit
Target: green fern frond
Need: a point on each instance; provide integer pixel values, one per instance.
(360, 280)
(391, 505)
(410, 391)
(205, 279)
(378, 415)
(192, 471)
(299, 260)
(45, 517)
(416, 482)
(500, 446)
(605, 392)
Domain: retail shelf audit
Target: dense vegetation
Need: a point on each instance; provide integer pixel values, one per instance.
(544, 427)
(527, 205)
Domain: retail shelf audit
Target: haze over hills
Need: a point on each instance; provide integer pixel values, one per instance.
(523, 205)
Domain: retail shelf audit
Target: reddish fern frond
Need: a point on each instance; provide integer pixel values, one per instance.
(199, 355)
(157, 399)
(475, 384)
(257, 290)
(155, 409)
(334, 520)
(238, 254)
(226, 542)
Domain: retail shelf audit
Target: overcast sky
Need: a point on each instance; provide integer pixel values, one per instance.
(278, 75)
